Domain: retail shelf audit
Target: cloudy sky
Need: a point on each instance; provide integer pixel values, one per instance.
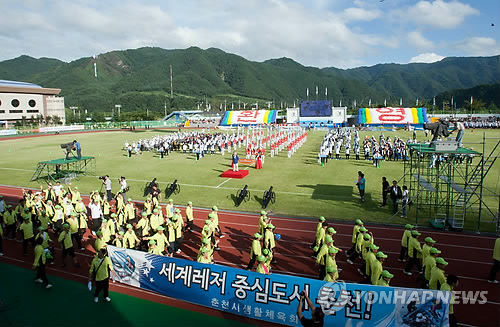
(321, 33)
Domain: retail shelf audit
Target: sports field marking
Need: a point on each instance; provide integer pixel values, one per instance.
(224, 182)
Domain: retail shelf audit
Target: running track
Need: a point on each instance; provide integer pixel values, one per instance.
(469, 257)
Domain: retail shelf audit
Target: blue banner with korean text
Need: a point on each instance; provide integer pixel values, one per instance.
(275, 297)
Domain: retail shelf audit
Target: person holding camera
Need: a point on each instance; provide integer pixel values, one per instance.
(317, 315)
(107, 182)
(99, 271)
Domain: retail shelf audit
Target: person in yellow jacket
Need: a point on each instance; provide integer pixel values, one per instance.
(496, 263)
(99, 242)
(261, 266)
(75, 194)
(263, 221)
(331, 232)
(359, 244)
(178, 225)
(118, 241)
(130, 211)
(143, 228)
(450, 285)
(130, 240)
(414, 253)
(320, 239)
(81, 211)
(437, 274)
(148, 205)
(160, 238)
(170, 237)
(322, 254)
(67, 245)
(72, 220)
(189, 217)
(205, 244)
(331, 272)
(269, 240)
(153, 248)
(330, 261)
(155, 221)
(403, 254)
(205, 258)
(385, 278)
(429, 263)
(377, 267)
(100, 269)
(429, 243)
(169, 209)
(269, 258)
(9, 219)
(355, 231)
(58, 218)
(370, 257)
(216, 222)
(43, 219)
(28, 235)
(39, 264)
(255, 250)
(106, 230)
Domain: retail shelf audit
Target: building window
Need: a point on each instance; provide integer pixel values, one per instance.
(32, 111)
(15, 103)
(15, 111)
(2, 111)
(32, 103)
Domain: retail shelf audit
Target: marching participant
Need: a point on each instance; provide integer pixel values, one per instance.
(255, 250)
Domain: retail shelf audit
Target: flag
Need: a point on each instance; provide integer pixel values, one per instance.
(471, 100)
(95, 70)
(307, 92)
(355, 103)
(370, 103)
(340, 104)
(417, 102)
(434, 101)
(316, 90)
(326, 92)
(385, 102)
(452, 101)
(400, 102)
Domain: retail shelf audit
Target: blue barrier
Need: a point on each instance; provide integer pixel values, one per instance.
(274, 298)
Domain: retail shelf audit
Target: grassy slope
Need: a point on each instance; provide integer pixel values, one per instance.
(303, 187)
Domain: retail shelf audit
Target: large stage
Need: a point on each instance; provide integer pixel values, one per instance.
(56, 169)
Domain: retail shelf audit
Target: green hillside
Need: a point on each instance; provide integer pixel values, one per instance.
(425, 80)
(139, 79)
(486, 98)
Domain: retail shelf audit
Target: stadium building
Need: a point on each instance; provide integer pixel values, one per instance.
(18, 99)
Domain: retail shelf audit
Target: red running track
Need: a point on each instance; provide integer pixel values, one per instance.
(469, 257)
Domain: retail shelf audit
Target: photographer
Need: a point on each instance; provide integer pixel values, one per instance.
(107, 182)
(123, 186)
(317, 315)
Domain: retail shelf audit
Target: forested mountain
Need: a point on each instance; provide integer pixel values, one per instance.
(139, 79)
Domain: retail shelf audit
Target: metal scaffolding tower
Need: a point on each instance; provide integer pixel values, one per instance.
(446, 187)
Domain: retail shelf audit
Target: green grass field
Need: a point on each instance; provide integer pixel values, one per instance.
(302, 186)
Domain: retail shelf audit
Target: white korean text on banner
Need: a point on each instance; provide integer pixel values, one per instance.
(275, 297)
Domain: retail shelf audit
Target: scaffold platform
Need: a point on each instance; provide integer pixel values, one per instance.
(53, 170)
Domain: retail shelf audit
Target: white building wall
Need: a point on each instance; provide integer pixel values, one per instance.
(15, 105)
(55, 107)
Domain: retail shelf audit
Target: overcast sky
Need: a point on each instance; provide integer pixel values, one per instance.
(319, 33)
